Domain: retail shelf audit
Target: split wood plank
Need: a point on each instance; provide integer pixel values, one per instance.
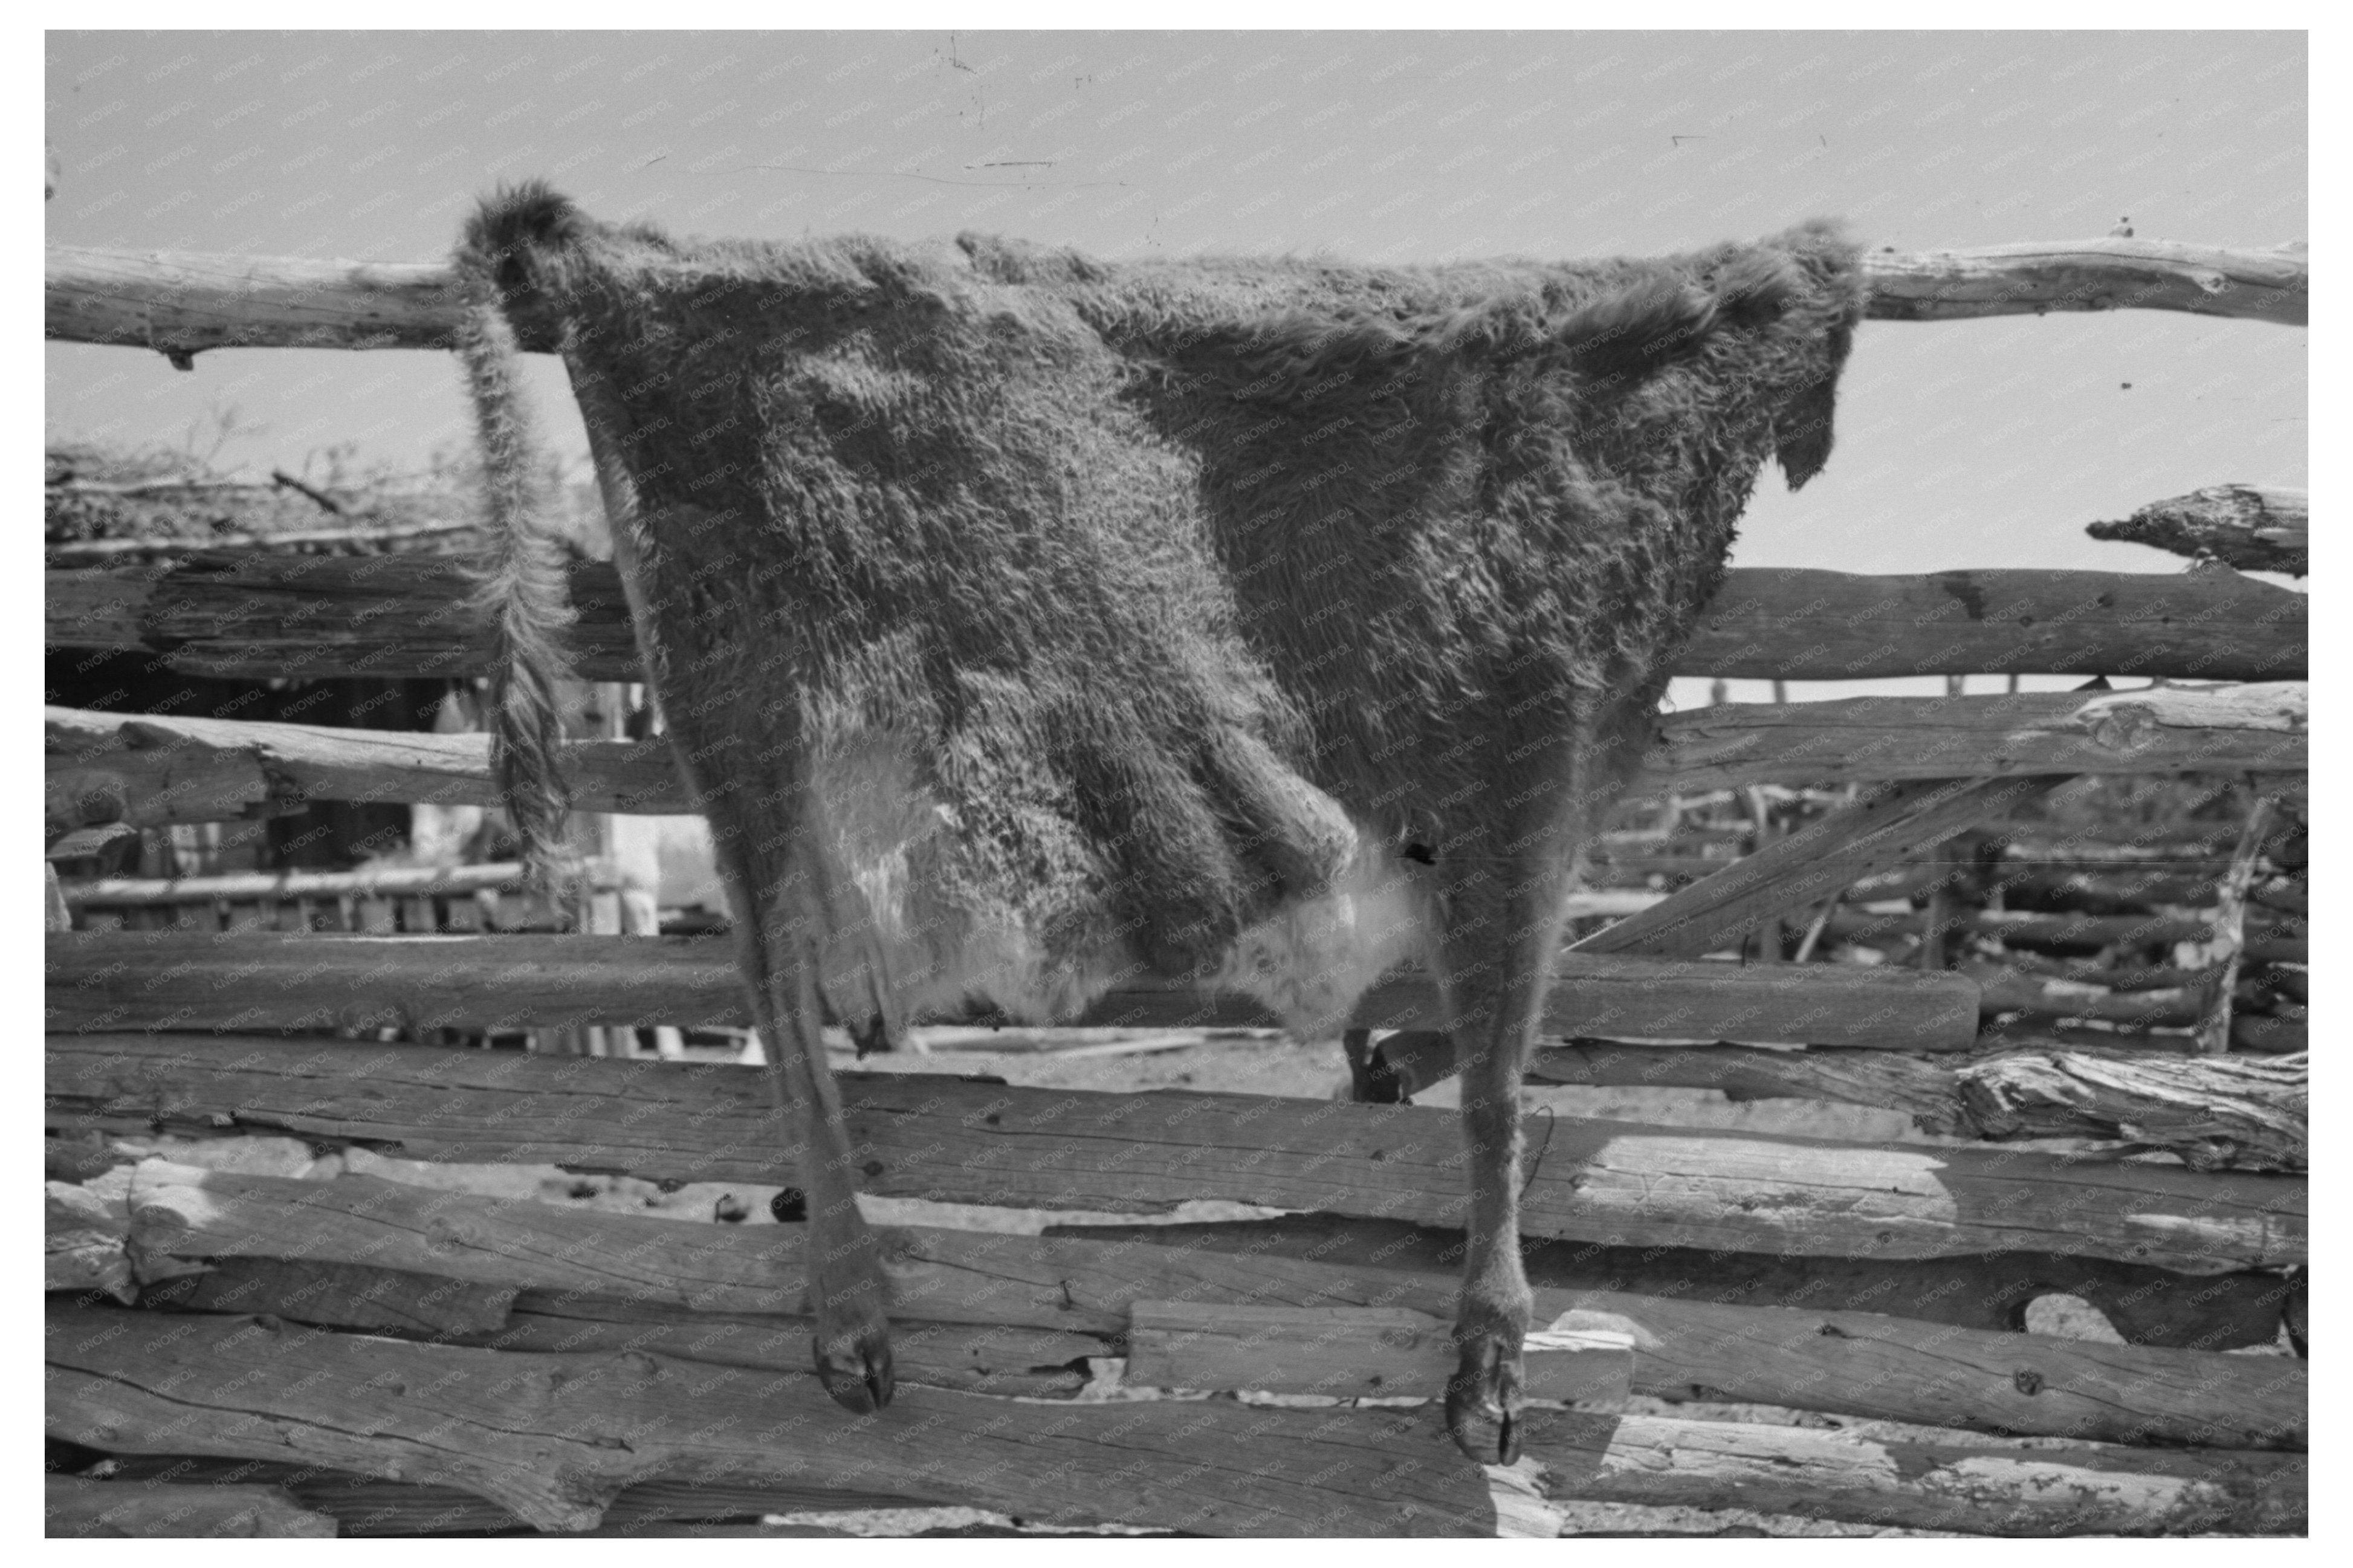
(1352, 1352)
(391, 615)
(298, 982)
(919, 1136)
(76, 1507)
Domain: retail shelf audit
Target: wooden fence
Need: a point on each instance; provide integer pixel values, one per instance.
(441, 1359)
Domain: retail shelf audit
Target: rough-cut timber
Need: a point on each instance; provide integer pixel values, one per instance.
(988, 1143)
(2252, 527)
(1884, 827)
(1927, 1486)
(2170, 729)
(1655, 1287)
(2217, 1113)
(175, 979)
(535, 1433)
(75, 1508)
(2114, 272)
(182, 302)
(406, 615)
(1351, 1352)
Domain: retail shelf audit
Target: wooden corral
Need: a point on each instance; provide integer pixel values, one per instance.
(250, 1332)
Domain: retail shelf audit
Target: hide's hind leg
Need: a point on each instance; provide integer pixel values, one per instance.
(782, 931)
(1501, 924)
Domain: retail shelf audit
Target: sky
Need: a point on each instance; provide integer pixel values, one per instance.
(1978, 443)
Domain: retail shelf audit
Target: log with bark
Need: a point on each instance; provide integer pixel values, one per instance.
(2252, 527)
(918, 1136)
(267, 980)
(329, 615)
(182, 302)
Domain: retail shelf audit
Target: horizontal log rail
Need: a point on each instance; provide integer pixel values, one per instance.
(408, 615)
(182, 302)
(2160, 730)
(261, 981)
(532, 1433)
(920, 1136)
(147, 770)
(572, 1267)
(366, 882)
(2215, 1112)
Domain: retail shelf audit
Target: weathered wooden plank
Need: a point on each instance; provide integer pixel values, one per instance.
(1351, 1352)
(2227, 1113)
(1797, 624)
(183, 301)
(1043, 1361)
(297, 982)
(2162, 731)
(186, 1211)
(2252, 527)
(2147, 1306)
(336, 1295)
(1976, 1489)
(392, 615)
(76, 1507)
(533, 1433)
(919, 1136)
(365, 1505)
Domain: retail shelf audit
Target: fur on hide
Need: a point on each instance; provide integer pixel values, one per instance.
(1021, 621)
(1100, 615)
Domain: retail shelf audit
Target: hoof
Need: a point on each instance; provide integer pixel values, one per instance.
(1482, 1403)
(856, 1372)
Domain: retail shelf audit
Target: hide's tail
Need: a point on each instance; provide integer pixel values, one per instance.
(520, 577)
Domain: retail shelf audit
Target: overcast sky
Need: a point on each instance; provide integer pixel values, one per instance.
(1974, 443)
